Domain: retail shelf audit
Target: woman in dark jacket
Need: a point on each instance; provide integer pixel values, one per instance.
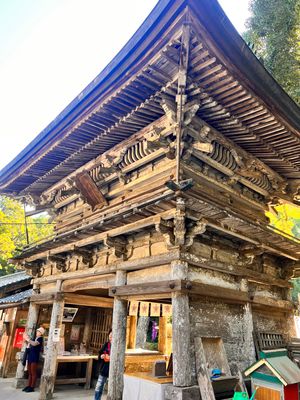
(33, 356)
(104, 356)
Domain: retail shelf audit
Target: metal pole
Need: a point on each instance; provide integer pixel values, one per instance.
(26, 227)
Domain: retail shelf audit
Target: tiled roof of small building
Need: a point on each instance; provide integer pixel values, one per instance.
(14, 278)
(21, 297)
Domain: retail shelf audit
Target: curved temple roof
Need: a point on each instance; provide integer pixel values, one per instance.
(125, 97)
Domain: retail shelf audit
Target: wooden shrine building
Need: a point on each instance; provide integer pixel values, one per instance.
(159, 175)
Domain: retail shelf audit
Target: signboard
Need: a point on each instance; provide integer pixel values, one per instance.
(18, 339)
(69, 314)
(56, 335)
(75, 333)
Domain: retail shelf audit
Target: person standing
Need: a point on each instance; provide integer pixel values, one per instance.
(33, 357)
(104, 356)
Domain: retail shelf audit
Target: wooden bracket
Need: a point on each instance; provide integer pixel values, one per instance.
(89, 190)
(166, 229)
(37, 269)
(157, 141)
(179, 222)
(190, 110)
(169, 108)
(60, 262)
(117, 245)
(197, 229)
(85, 254)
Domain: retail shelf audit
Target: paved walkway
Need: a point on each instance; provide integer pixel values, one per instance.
(72, 392)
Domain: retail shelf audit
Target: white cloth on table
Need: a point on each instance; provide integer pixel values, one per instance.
(141, 389)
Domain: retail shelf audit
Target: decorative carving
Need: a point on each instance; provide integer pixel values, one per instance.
(169, 108)
(60, 262)
(293, 189)
(37, 269)
(190, 109)
(166, 229)
(111, 163)
(156, 141)
(117, 245)
(197, 228)
(179, 222)
(204, 147)
(94, 257)
(248, 252)
(86, 255)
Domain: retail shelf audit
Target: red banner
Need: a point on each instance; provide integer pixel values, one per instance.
(18, 340)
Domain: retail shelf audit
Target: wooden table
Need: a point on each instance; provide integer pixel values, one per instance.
(77, 359)
(143, 386)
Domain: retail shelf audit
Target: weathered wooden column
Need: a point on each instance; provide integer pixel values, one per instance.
(31, 325)
(181, 330)
(117, 358)
(87, 328)
(50, 364)
(8, 350)
(249, 349)
(182, 371)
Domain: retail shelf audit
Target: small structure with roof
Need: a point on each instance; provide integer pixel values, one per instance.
(275, 376)
(15, 292)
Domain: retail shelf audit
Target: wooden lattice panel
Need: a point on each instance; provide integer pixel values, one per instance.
(268, 341)
(101, 325)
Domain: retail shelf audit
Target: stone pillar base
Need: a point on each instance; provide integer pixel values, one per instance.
(19, 383)
(182, 393)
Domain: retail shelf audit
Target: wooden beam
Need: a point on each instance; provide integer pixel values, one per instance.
(179, 285)
(235, 270)
(100, 237)
(129, 265)
(235, 233)
(47, 297)
(88, 283)
(89, 190)
(260, 301)
(90, 301)
(202, 289)
(146, 288)
(203, 375)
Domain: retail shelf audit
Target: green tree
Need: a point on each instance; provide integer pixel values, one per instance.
(13, 232)
(274, 31)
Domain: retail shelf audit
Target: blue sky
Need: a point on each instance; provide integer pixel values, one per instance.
(51, 49)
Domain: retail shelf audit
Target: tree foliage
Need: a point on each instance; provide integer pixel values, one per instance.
(286, 218)
(13, 232)
(274, 30)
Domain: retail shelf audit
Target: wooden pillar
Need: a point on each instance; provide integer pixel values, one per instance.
(8, 350)
(31, 325)
(181, 330)
(87, 328)
(117, 358)
(249, 346)
(50, 364)
(141, 332)
(131, 332)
